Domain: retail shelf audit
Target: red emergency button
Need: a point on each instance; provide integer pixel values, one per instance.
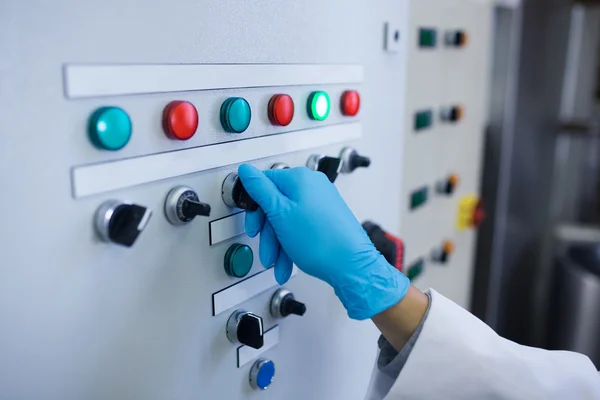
(350, 103)
(281, 109)
(180, 120)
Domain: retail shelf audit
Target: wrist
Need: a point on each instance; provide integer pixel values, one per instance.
(371, 288)
(399, 322)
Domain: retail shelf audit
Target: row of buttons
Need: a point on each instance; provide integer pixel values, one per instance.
(110, 128)
(452, 38)
(445, 186)
(121, 222)
(424, 118)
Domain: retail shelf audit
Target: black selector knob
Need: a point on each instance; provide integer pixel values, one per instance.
(352, 160)
(235, 195)
(330, 166)
(183, 205)
(283, 303)
(121, 222)
(245, 328)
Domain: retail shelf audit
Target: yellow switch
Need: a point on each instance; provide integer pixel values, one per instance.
(466, 212)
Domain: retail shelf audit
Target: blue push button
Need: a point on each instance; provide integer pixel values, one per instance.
(109, 128)
(262, 374)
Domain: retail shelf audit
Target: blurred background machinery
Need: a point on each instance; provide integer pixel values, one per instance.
(541, 176)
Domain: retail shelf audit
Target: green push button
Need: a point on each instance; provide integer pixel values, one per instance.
(235, 115)
(238, 260)
(423, 119)
(418, 197)
(427, 37)
(318, 106)
(109, 128)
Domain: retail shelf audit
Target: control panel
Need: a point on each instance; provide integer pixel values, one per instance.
(446, 117)
(136, 279)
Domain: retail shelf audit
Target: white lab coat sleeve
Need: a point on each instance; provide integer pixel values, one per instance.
(457, 356)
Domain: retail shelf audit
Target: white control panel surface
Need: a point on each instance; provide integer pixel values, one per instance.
(446, 74)
(83, 318)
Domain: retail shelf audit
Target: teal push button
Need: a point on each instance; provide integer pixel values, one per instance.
(238, 260)
(235, 115)
(109, 128)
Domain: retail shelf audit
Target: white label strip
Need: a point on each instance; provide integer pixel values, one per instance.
(246, 354)
(244, 290)
(113, 80)
(226, 228)
(99, 178)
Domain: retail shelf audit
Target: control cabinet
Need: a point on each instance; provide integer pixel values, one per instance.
(126, 273)
(448, 68)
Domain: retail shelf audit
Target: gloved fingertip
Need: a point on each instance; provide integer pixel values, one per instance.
(254, 222)
(269, 246)
(245, 170)
(283, 268)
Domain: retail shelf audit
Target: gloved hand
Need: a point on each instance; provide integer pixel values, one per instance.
(302, 218)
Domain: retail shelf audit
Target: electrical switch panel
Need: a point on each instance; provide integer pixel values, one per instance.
(142, 282)
(448, 74)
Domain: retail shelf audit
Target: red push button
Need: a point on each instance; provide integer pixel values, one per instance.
(180, 120)
(350, 103)
(281, 109)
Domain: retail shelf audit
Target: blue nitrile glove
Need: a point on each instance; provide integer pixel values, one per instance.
(308, 217)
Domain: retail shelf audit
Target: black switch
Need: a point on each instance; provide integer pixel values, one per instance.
(191, 209)
(120, 222)
(351, 160)
(235, 195)
(250, 331)
(283, 303)
(182, 205)
(330, 166)
(245, 328)
(291, 306)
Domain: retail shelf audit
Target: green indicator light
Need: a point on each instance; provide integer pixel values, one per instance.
(109, 128)
(319, 106)
(415, 269)
(423, 119)
(427, 37)
(238, 260)
(418, 198)
(235, 115)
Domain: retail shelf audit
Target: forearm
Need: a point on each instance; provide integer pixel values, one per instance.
(398, 323)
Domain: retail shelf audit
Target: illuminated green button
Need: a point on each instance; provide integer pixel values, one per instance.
(238, 260)
(235, 115)
(109, 128)
(318, 106)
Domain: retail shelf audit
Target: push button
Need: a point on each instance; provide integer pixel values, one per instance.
(180, 120)
(318, 106)
(235, 115)
(109, 128)
(350, 103)
(281, 110)
(262, 374)
(238, 260)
